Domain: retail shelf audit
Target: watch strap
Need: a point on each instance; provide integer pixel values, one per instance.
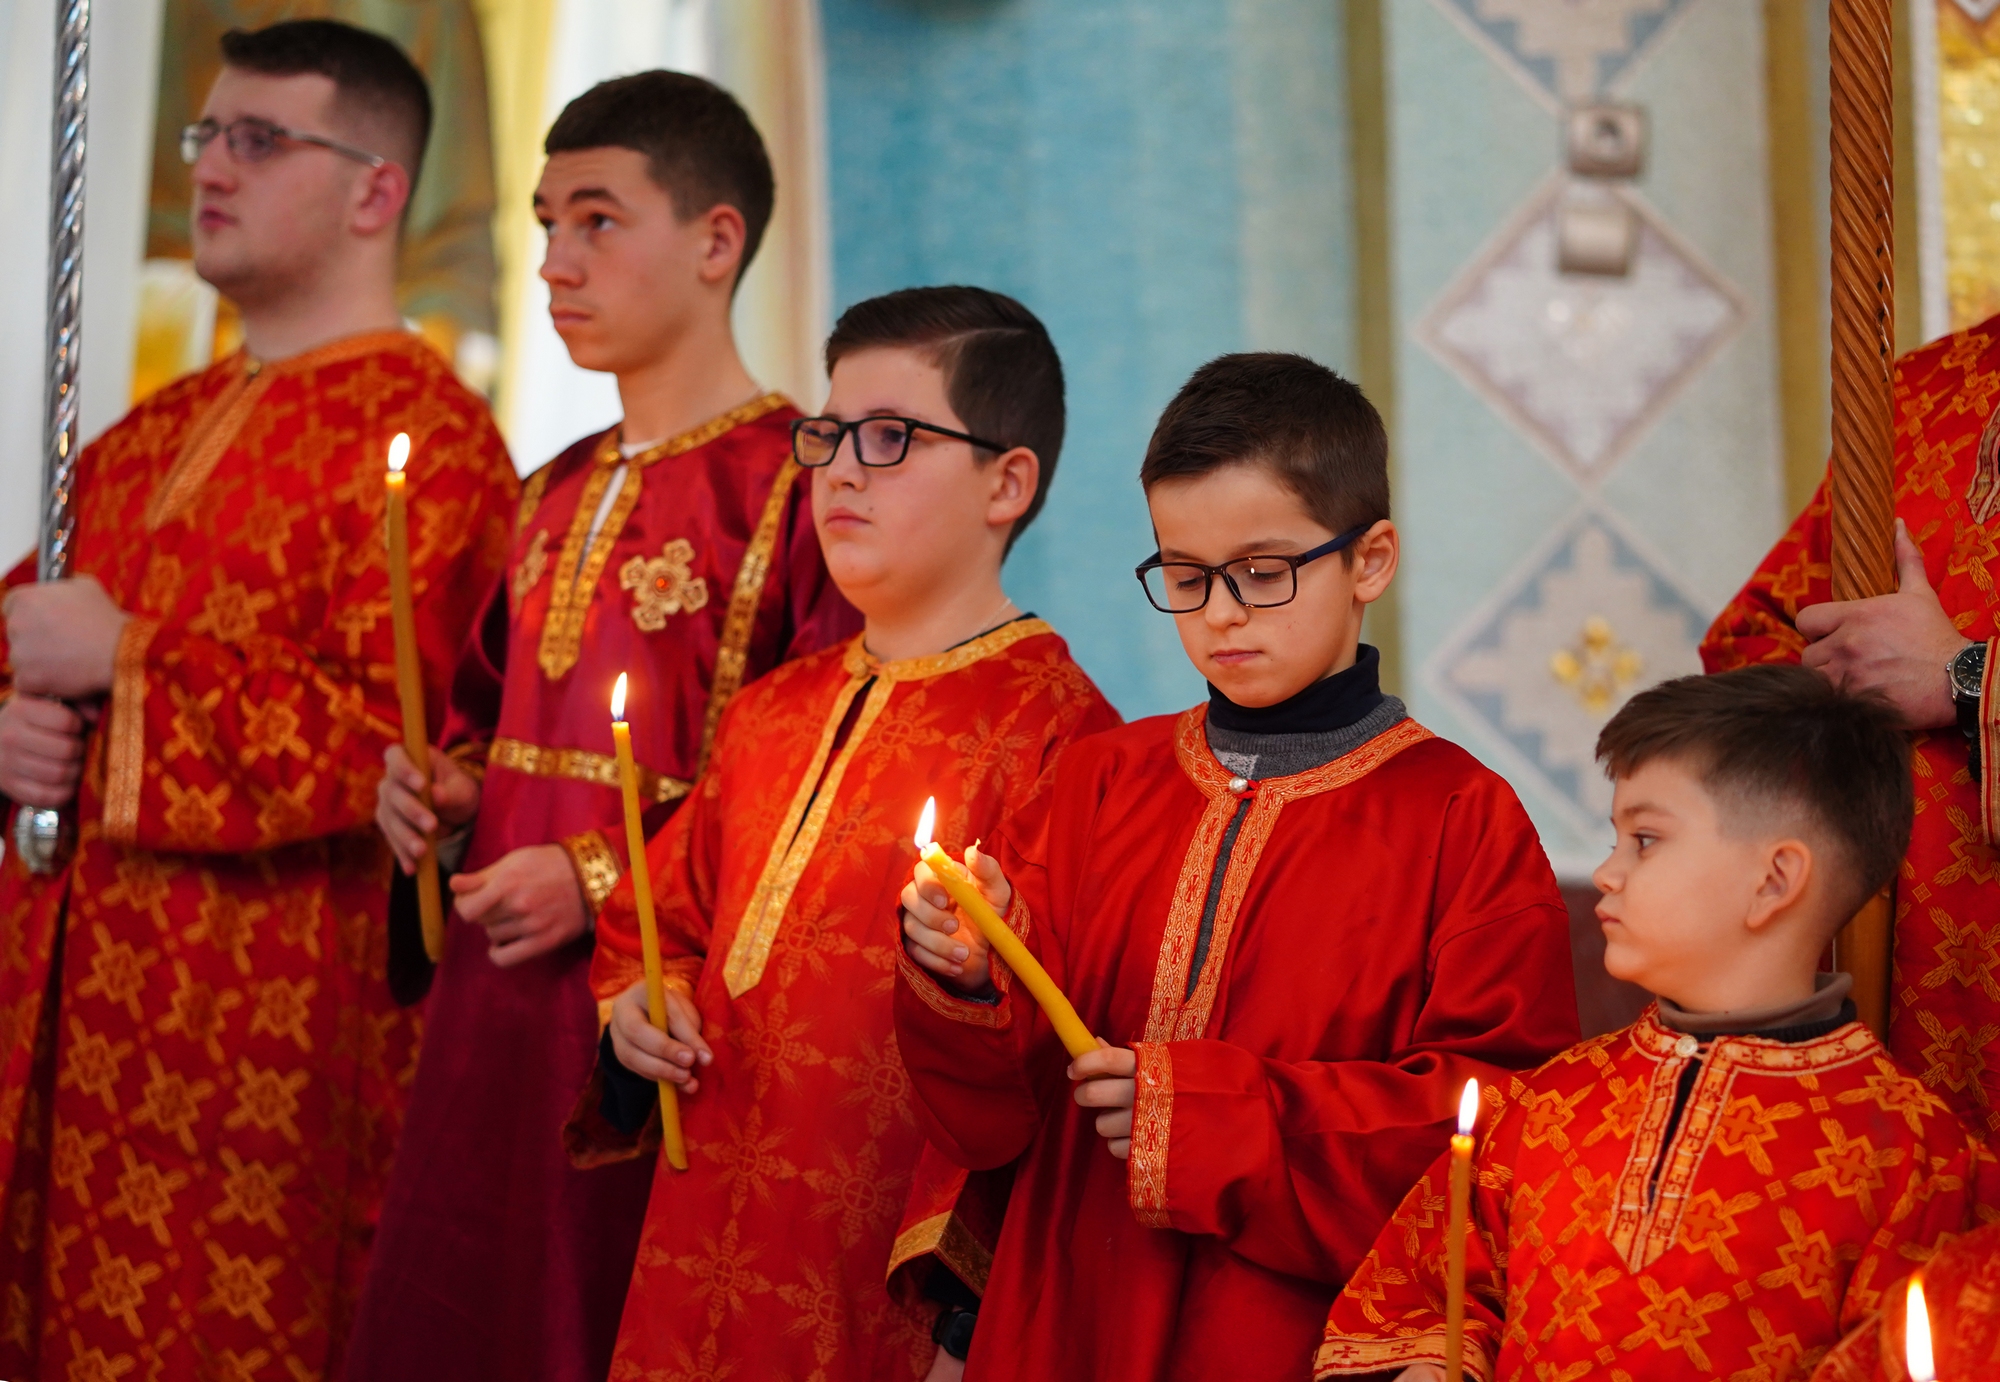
(1983, 745)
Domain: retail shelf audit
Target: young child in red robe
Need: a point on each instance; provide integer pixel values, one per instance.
(1724, 1186)
(766, 1258)
(1298, 918)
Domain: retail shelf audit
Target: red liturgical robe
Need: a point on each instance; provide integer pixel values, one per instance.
(199, 1128)
(1387, 926)
(1610, 1241)
(777, 888)
(1962, 1293)
(496, 1258)
(1945, 996)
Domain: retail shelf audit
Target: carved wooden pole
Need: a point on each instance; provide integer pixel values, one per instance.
(1861, 473)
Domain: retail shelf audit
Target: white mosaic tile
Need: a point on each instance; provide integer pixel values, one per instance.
(1581, 363)
(1586, 621)
(1567, 51)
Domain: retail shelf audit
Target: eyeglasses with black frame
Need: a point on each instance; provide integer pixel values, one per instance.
(879, 442)
(252, 140)
(1182, 587)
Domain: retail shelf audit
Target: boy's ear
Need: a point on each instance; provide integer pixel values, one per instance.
(1788, 871)
(1015, 477)
(722, 245)
(1377, 553)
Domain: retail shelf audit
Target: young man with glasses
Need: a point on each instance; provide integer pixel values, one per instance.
(776, 883)
(1297, 918)
(198, 1121)
(675, 547)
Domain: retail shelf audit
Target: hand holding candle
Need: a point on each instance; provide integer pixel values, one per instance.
(1076, 1038)
(410, 685)
(1461, 1202)
(671, 1142)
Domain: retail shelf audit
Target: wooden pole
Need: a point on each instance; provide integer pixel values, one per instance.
(1861, 472)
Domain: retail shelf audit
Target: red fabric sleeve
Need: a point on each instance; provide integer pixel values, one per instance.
(1759, 625)
(681, 863)
(225, 738)
(1289, 1164)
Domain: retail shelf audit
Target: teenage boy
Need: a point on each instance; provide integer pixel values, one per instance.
(201, 1074)
(766, 1257)
(1724, 1186)
(677, 547)
(1298, 918)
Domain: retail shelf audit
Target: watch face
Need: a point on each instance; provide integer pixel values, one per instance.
(1968, 671)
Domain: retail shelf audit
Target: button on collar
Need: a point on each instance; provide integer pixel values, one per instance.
(1686, 1046)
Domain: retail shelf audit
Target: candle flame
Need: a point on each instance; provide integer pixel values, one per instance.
(926, 822)
(1917, 1333)
(399, 452)
(618, 698)
(1468, 1108)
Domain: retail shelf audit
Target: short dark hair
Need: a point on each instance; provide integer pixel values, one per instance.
(700, 146)
(375, 82)
(1316, 432)
(1780, 741)
(1002, 375)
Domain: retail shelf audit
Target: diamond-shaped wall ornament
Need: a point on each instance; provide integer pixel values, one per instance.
(1582, 363)
(1588, 620)
(1567, 51)
(1979, 11)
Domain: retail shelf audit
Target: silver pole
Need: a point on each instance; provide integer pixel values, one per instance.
(39, 835)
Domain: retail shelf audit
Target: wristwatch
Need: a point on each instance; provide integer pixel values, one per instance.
(953, 1330)
(1967, 671)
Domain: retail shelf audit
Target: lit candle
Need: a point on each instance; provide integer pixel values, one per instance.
(410, 686)
(1001, 939)
(1461, 1201)
(649, 931)
(1917, 1334)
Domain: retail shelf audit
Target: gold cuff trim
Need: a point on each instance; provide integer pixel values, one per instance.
(946, 1237)
(471, 757)
(1989, 745)
(581, 765)
(1345, 1355)
(1152, 1132)
(950, 1005)
(597, 868)
(124, 774)
(732, 655)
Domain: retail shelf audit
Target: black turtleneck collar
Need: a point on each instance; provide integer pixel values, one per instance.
(1331, 703)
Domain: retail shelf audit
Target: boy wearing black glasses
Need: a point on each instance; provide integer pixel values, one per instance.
(1296, 918)
(777, 881)
(676, 547)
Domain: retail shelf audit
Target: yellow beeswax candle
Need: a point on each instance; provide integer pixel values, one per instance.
(671, 1141)
(1000, 938)
(1461, 1202)
(410, 686)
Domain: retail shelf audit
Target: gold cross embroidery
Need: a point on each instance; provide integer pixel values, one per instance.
(663, 585)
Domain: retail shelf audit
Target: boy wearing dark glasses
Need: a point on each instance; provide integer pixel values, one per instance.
(776, 885)
(1297, 920)
(676, 547)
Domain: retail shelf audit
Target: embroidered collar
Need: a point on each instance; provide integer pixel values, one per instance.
(1842, 1046)
(863, 664)
(701, 434)
(1213, 780)
(332, 353)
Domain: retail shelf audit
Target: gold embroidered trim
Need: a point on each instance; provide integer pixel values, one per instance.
(954, 1244)
(534, 562)
(532, 490)
(732, 654)
(125, 776)
(578, 573)
(1989, 743)
(470, 756)
(1982, 495)
(863, 664)
(597, 868)
(581, 765)
(1639, 1231)
(1152, 1133)
(216, 428)
(1173, 1015)
(1340, 1355)
(947, 1004)
(750, 951)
